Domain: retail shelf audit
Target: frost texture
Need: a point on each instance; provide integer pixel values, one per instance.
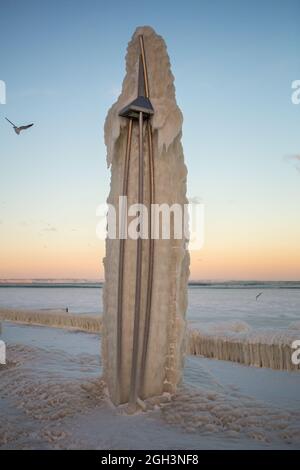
(52, 398)
(232, 416)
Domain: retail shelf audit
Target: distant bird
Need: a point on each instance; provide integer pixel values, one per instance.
(258, 295)
(19, 129)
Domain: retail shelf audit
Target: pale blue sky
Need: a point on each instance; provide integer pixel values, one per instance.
(233, 61)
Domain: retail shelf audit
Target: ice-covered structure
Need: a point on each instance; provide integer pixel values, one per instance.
(232, 342)
(144, 358)
(259, 348)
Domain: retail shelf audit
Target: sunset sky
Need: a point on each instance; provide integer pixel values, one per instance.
(233, 62)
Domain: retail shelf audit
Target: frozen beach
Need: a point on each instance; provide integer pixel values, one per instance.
(52, 397)
(225, 321)
(51, 394)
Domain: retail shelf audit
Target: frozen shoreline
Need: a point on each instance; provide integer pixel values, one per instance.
(52, 397)
(231, 341)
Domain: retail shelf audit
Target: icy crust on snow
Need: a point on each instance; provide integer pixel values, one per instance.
(39, 390)
(231, 415)
(53, 399)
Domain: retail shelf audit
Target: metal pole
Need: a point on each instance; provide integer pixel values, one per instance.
(121, 262)
(137, 109)
(150, 261)
(136, 328)
(144, 65)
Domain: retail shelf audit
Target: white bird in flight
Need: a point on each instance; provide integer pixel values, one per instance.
(19, 129)
(258, 295)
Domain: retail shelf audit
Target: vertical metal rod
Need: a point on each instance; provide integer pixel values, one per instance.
(151, 260)
(121, 263)
(144, 66)
(136, 328)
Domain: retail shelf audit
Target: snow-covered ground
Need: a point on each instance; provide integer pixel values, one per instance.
(51, 396)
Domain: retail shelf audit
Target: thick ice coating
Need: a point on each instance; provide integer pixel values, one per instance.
(171, 260)
(167, 119)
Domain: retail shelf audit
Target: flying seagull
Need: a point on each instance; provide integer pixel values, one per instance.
(258, 295)
(19, 129)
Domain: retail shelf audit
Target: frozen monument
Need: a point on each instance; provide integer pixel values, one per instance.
(145, 292)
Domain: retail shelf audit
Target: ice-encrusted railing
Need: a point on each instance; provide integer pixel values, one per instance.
(54, 318)
(259, 348)
(268, 348)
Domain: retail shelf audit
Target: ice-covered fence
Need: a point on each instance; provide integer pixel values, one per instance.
(60, 319)
(261, 349)
(272, 349)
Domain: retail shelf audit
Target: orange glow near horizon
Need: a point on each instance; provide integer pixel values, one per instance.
(251, 249)
(85, 261)
(240, 141)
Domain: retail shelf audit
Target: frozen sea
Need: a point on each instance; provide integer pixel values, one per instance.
(276, 308)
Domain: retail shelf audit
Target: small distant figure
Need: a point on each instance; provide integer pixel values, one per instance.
(19, 129)
(258, 296)
(67, 310)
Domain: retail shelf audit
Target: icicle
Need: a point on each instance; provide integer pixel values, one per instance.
(261, 349)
